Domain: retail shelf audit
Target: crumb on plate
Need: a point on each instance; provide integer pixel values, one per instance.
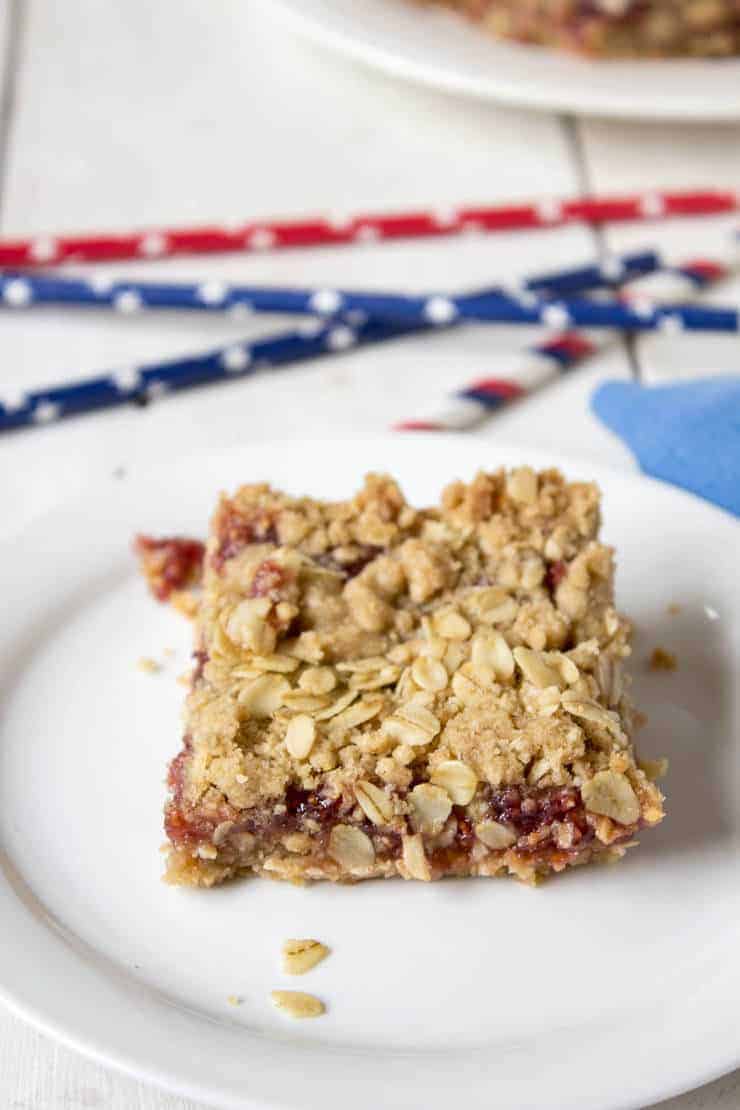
(300, 956)
(663, 660)
(296, 1004)
(654, 768)
(148, 665)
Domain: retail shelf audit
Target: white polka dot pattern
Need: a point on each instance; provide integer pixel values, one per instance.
(340, 339)
(12, 399)
(524, 296)
(127, 379)
(156, 389)
(549, 211)
(46, 411)
(555, 316)
(101, 283)
(127, 302)
(326, 302)
(260, 239)
(641, 306)
(43, 249)
(671, 325)
(213, 292)
(367, 234)
(652, 205)
(235, 359)
(440, 310)
(446, 218)
(17, 293)
(153, 245)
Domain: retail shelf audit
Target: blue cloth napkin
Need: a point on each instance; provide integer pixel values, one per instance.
(687, 434)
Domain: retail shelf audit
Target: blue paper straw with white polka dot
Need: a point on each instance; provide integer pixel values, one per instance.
(142, 384)
(21, 290)
(491, 306)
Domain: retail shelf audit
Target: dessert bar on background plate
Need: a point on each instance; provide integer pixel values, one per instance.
(428, 43)
(614, 28)
(382, 690)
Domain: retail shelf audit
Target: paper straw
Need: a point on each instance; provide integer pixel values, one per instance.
(161, 242)
(141, 384)
(491, 306)
(23, 290)
(530, 370)
(534, 367)
(644, 315)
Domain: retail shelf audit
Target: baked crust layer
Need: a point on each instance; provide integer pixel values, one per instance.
(382, 690)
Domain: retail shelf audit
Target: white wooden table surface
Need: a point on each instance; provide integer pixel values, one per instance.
(116, 115)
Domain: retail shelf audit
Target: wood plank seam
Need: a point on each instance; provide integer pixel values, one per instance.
(9, 70)
(574, 140)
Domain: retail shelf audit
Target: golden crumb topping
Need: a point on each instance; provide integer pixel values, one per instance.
(409, 660)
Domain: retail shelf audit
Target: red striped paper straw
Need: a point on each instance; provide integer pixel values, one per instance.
(533, 367)
(559, 354)
(165, 242)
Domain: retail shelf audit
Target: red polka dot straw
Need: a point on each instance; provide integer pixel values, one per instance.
(161, 242)
(479, 398)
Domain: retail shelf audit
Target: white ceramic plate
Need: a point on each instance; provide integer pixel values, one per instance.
(606, 988)
(440, 49)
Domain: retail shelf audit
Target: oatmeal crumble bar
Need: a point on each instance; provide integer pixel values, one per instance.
(613, 28)
(382, 690)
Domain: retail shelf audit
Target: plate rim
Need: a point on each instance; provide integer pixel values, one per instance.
(29, 1004)
(313, 27)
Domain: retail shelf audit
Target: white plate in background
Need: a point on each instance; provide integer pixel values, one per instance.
(438, 48)
(604, 989)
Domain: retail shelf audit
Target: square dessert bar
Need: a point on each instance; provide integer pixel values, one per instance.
(382, 690)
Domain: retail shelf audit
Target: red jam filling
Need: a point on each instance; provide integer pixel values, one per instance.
(236, 531)
(269, 579)
(170, 563)
(535, 816)
(555, 574)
